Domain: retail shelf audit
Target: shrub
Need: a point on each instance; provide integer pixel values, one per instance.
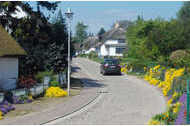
(93, 54)
(54, 83)
(82, 55)
(26, 82)
(180, 58)
(40, 76)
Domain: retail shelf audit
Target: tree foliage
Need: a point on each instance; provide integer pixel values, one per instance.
(81, 33)
(101, 32)
(58, 46)
(44, 42)
(155, 39)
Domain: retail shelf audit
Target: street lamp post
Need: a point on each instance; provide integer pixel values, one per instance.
(69, 15)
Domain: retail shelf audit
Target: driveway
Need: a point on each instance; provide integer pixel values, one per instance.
(122, 100)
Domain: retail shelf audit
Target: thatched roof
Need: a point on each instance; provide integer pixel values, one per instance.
(90, 42)
(118, 31)
(114, 34)
(8, 46)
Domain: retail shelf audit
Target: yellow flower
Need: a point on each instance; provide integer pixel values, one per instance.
(169, 77)
(176, 107)
(156, 67)
(167, 115)
(154, 122)
(178, 103)
(1, 115)
(175, 95)
(145, 68)
(55, 92)
(154, 81)
(170, 101)
(30, 97)
(175, 110)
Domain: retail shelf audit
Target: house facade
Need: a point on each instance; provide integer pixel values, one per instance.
(114, 42)
(112, 48)
(89, 44)
(10, 50)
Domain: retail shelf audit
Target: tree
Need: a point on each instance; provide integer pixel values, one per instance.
(184, 13)
(33, 33)
(157, 39)
(100, 33)
(184, 19)
(81, 33)
(57, 59)
(154, 39)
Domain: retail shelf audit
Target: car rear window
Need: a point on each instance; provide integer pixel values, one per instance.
(111, 62)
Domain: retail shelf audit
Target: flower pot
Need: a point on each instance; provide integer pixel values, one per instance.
(19, 92)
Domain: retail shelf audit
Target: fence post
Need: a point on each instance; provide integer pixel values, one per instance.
(187, 118)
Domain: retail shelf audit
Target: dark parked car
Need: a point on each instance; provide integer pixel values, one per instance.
(110, 66)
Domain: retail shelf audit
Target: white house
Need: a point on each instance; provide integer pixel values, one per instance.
(9, 52)
(112, 48)
(92, 49)
(114, 42)
(89, 44)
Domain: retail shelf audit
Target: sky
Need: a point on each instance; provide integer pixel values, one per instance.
(104, 14)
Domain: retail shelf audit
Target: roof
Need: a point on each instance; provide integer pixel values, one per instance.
(118, 31)
(98, 44)
(123, 24)
(8, 46)
(114, 34)
(90, 42)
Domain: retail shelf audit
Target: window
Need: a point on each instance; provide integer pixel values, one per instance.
(111, 62)
(119, 50)
(121, 41)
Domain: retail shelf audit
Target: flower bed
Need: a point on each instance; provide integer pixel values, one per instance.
(5, 107)
(176, 102)
(153, 77)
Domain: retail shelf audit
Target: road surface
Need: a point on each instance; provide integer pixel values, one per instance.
(122, 100)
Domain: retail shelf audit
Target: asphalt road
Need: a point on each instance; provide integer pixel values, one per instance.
(123, 99)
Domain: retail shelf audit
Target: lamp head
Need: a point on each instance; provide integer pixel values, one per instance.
(69, 14)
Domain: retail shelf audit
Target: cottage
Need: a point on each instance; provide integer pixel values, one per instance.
(9, 52)
(89, 44)
(113, 42)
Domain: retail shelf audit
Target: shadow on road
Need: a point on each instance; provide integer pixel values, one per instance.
(90, 83)
(113, 74)
(87, 82)
(75, 69)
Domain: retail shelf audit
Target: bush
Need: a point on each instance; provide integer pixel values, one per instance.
(40, 76)
(93, 55)
(138, 64)
(180, 58)
(54, 83)
(26, 82)
(82, 55)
